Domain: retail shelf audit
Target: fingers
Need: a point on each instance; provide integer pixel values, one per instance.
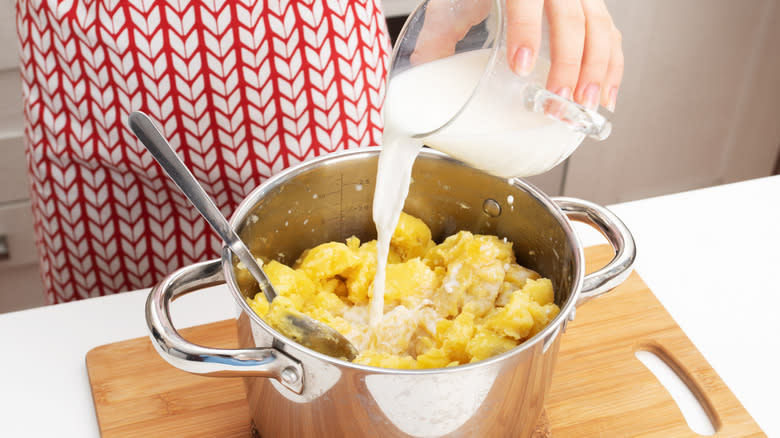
(596, 54)
(567, 36)
(586, 51)
(614, 75)
(524, 33)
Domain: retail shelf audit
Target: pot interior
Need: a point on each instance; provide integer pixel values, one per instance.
(331, 199)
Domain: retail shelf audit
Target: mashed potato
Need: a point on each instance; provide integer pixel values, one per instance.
(461, 301)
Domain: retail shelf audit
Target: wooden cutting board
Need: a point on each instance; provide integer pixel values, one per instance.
(599, 387)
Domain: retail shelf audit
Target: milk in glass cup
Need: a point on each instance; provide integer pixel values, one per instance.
(465, 100)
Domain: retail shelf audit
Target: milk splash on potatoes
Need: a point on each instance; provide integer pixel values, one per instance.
(403, 300)
(457, 302)
(493, 133)
(393, 177)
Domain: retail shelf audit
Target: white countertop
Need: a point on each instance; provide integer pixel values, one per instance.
(710, 256)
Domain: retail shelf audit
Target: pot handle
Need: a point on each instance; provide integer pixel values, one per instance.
(186, 356)
(618, 236)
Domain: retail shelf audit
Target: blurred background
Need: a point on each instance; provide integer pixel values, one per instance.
(699, 106)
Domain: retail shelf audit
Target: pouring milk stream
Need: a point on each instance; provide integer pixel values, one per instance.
(490, 131)
(471, 106)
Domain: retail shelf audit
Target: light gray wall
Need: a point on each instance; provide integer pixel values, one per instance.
(699, 101)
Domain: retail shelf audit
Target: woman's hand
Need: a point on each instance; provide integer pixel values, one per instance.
(585, 46)
(586, 49)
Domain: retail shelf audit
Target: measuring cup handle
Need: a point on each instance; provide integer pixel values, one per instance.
(576, 116)
(618, 235)
(186, 356)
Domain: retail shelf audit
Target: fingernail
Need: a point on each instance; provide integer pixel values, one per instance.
(612, 99)
(564, 92)
(558, 108)
(591, 96)
(522, 61)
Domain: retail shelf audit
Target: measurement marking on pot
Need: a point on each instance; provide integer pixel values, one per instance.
(688, 398)
(491, 207)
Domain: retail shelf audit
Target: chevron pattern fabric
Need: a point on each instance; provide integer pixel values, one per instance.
(241, 88)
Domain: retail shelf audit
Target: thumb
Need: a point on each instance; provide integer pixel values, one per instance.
(446, 23)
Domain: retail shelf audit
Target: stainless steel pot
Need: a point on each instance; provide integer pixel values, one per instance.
(297, 392)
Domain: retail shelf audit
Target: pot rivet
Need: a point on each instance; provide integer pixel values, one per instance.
(289, 375)
(491, 207)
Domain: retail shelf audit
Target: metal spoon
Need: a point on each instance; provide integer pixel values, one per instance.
(302, 329)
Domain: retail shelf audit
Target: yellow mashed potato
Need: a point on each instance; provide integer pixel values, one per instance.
(461, 301)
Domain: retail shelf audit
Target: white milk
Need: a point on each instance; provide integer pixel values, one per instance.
(392, 185)
(495, 133)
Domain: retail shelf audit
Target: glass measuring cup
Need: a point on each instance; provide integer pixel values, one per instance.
(464, 100)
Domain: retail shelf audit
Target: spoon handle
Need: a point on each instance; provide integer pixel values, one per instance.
(144, 129)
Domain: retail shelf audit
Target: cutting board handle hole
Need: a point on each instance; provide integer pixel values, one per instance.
(693, 405)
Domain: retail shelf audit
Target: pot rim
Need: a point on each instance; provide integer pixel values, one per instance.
(283, 177)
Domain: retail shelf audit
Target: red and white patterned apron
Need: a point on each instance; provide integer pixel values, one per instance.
(242, 89)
